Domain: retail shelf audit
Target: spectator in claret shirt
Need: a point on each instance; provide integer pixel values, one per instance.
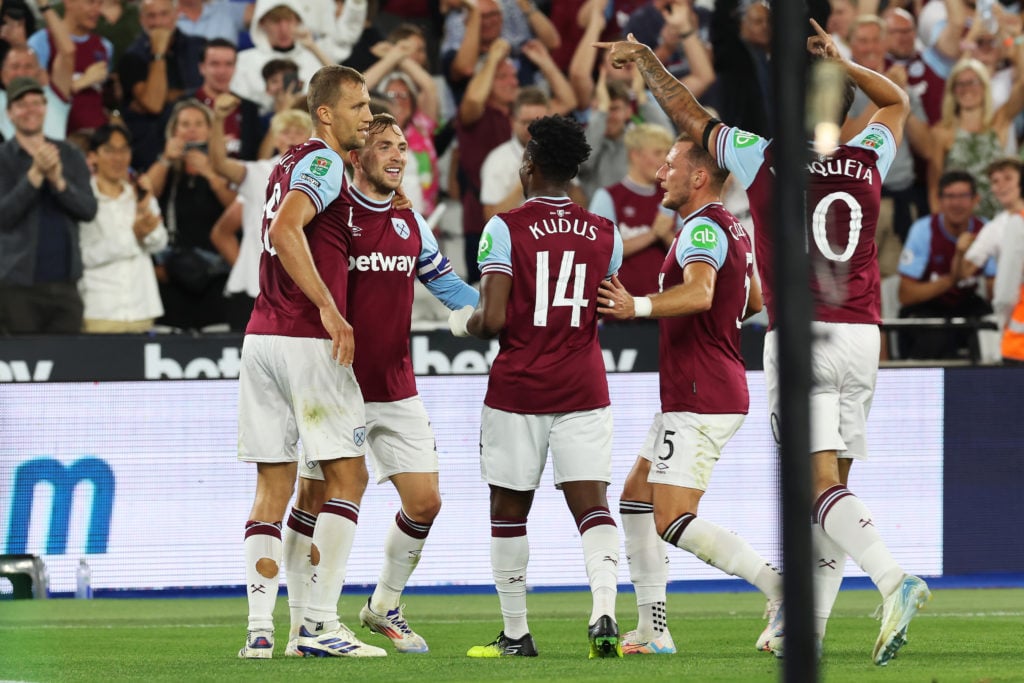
(93, 61)
(243, 128)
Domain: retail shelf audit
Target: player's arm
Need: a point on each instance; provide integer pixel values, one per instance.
(675, 98)
(288, 237)
(489, 318)
(434, 270)
(755, 302)
(893, 104)
(914, 291)
(693, 295)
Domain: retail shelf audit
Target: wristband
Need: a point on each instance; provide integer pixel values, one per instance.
(684, 36)
(707, 133)
(642, 306)
(159, 56)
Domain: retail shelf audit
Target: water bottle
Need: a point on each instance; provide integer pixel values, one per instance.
(83, 581)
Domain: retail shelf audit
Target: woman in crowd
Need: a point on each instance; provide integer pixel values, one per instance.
(971, 133)
(118, 284)
(192, 197)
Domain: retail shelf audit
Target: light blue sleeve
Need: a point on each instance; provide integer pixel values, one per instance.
(990, 268)
(702, 239)
(879, 139)
(435, 272)
(495, 255)
(450, 290)
(109, 47)
(601, 204)
(616, 262)
(740, 152)
(914, 258)
(41, 46)
(236, 10)
(937, 62)
(320, 174)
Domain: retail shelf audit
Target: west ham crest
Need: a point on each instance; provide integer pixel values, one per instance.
(401, 227)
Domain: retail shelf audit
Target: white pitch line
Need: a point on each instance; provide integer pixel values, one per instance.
(925, 613)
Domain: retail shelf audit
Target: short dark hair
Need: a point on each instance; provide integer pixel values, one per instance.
(217, 42)
(277, 66)
(381, 122)
(617, 90)
(951, 177)
(698, 156)
(405, 30)
(529, 94)
(557, 147)
(325, 86)
(102, 135)
(1003, 164)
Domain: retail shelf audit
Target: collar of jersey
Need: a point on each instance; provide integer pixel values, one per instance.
(557, 201)
(694, 213)
(371, 204)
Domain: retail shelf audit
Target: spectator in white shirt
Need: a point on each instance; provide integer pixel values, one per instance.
(287, 128)
(118, 284)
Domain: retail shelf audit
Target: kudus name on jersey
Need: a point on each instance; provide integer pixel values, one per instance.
(851, 168)
(378, 262)
(563, 226)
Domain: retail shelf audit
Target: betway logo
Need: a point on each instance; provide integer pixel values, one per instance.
(378, 262)
(427, 361)
(18, 371)
(158, 367)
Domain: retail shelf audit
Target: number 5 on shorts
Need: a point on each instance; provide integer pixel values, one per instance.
(667, 442)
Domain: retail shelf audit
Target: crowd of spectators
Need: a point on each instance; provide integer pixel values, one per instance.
(137, 133)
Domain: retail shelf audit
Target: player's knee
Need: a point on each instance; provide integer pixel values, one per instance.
(636, 487)
(663, 519)
(266, 567)
(424, 510)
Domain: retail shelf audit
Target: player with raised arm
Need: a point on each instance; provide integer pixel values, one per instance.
(706, 289)
(389, 246)
(843, 196)
(541, 265)
(296, 379)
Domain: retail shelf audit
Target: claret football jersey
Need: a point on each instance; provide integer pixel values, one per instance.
(390, 249)
(841, 203)
(701, 368)
(556, 253)
(282, 308)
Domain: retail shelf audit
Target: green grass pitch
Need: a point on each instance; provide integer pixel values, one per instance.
(963, 635)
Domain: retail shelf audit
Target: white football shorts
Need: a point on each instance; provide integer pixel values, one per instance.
(514, 447)
(684, 447)
(844, 366)
(289, 388)
(398, 438)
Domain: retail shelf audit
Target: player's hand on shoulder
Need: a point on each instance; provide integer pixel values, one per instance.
(400, 202)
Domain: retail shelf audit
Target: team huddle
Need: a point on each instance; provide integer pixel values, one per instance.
(336, 276)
